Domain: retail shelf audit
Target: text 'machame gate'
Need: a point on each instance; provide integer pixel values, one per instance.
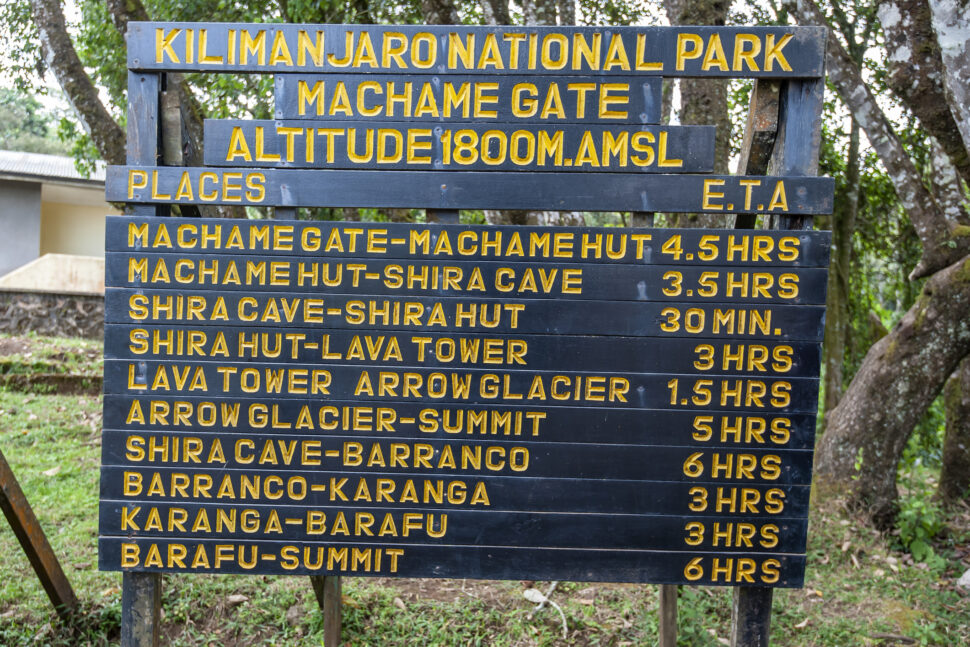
(425, 400)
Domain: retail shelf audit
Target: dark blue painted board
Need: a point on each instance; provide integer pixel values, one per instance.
(610, 245)
(222, 272)
(580, 565)
(519, 316)
(453, 527)
(703, 498)
(763, 52)
(377, 98)
(715, 194)
(470, 350)
(142, 413)
(400, 145)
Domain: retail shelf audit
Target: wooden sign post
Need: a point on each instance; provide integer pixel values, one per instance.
(439, 400)
(27, 529)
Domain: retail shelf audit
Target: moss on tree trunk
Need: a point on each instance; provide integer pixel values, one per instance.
(899, 378)
(955, 474)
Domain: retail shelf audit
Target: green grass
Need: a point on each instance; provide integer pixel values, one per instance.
(858, 586)
(30, 353)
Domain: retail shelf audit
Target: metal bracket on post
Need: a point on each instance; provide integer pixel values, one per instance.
(34, 542)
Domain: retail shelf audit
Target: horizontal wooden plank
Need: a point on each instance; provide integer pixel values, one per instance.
(760, 52)
(766, 394)
(473, 562)
(611, 245)
(390, 526)
(466, 98)
(447, 314)
(225, 271)
(717, 194)
(527, 352)
(462, 458)
(700, 429)
(703, 499)
(400, 145)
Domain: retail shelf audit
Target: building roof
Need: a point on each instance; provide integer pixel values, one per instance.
(46, 168)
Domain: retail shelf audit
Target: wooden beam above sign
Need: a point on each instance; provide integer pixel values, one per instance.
(750, 52)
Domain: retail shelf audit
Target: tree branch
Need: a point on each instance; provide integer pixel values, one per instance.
(952, 25)
(63, 61)
(940, 249)
(440, 12)
(867, 432)
(124, 11)
(496, 12)
(916, 74)
(539, 12)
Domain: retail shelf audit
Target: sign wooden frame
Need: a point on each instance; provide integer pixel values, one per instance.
(795, 89)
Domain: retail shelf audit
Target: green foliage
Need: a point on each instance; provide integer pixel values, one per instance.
(919, 522)
(101, 49)
(20, 41)
(24, 125)
(617, 12)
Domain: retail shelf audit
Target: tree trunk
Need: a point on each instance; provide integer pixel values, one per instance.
(62, 59)
(900, 377)
(496, 12)
(951, 20)
(704, 101)
(537, 12)
(941, 247)
(440, 12)
(837, 301)
(955, 475)
(915, 66)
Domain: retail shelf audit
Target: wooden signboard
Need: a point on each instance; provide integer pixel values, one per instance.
(313, 412)
(428, 400)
